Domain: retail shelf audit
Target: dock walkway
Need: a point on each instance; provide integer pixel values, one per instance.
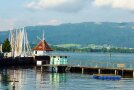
(124, 72)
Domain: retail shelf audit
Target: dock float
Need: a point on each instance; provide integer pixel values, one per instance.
(107, 77)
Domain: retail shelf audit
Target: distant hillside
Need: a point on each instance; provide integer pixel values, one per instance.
(116, 34)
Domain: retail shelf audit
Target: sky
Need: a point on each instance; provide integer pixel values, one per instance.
(20, 13)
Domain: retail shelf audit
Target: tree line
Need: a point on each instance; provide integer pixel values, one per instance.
(6, 47)
(74, 49)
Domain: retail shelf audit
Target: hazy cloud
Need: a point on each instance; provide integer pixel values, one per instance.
(122, 4)
(6, 24)
(50, 22)
(58, 5)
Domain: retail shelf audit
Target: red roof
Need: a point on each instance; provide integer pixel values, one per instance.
(42, 46)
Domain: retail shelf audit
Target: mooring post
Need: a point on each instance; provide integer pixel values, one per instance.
(115, 72)
(122, 72)
(35, 68)
(99, 71)
(13, 84)
(133, 74)
(41, 68)
(82, 70)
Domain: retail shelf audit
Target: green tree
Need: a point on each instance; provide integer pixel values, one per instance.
(6, 47)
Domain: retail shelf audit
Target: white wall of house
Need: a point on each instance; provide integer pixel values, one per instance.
(39, 53)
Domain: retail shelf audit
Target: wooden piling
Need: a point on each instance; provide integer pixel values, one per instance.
(82, 70)
(99, 71)
(115, 72)
(133, 74)
(41, 68)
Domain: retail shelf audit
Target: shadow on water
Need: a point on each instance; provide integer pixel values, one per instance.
(31, 78)
(4, 79)
(58, 77)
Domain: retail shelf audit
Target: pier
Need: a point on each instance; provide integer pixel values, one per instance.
(123, 72)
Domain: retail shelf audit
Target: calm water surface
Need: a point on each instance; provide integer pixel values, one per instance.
(34, 79)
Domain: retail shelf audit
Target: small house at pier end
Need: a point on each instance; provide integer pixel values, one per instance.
(42, 57)
(42, 48)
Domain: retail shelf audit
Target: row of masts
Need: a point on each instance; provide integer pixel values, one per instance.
(19, 43)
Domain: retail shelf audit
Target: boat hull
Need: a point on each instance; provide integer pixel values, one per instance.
(18, 61)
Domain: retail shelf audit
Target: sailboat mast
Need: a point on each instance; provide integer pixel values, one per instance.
(24, 43)
(43, 43)
(19, 43)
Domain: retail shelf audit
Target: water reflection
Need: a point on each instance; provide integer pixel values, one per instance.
(30, 79)
(33, 79)
(50, 81)
(57, 77)
(6, 79)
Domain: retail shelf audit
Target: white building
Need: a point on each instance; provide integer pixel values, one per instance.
(41, 48)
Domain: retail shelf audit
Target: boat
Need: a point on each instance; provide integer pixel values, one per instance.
(19, 44)
(21, 53)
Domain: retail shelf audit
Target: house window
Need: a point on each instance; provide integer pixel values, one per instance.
(35, 52)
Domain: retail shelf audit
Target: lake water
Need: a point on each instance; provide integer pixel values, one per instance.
(33, 79)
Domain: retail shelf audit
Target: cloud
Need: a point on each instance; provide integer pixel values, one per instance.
(6, 24)
(58, 5)
(122, 4)
(50, 22)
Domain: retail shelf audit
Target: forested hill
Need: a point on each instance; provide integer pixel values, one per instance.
(116, 34)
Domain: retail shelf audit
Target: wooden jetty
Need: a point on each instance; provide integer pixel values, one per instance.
(123, 72)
